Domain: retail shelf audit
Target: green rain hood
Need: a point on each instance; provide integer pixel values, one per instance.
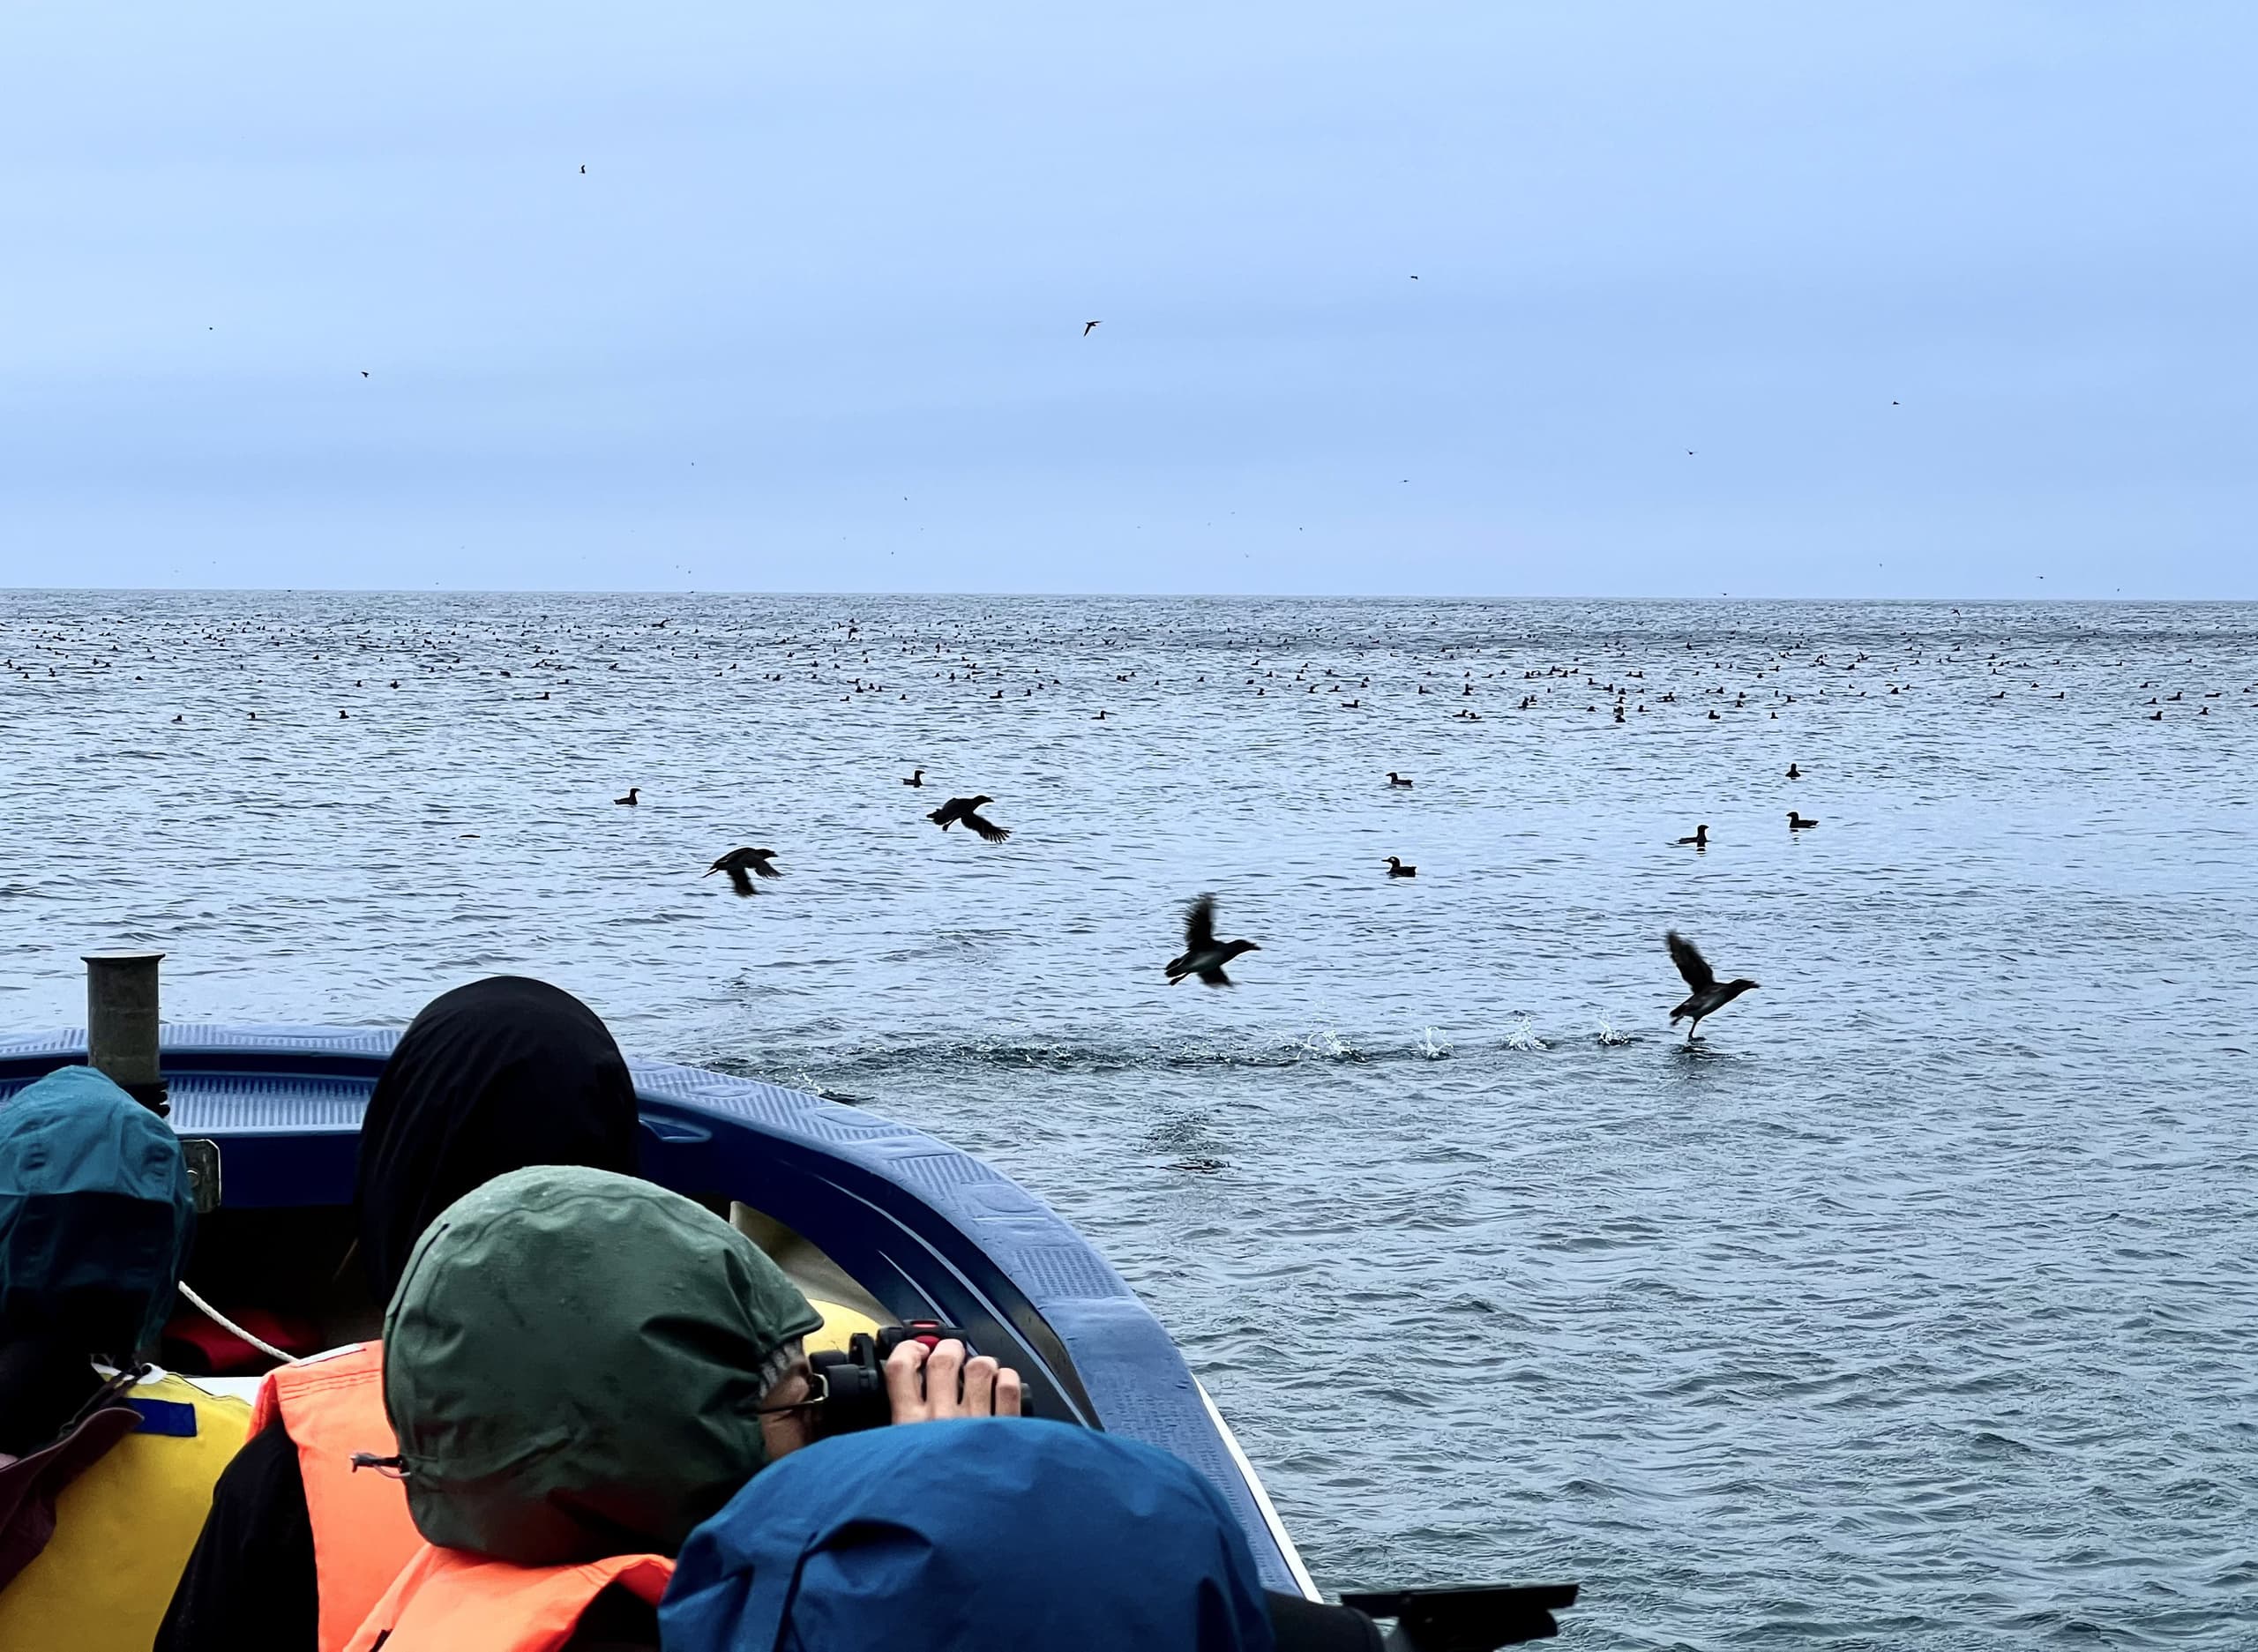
(571, 1364)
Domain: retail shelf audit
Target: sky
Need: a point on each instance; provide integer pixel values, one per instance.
(1924, 299)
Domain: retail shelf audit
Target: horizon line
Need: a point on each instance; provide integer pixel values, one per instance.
(1106, 596)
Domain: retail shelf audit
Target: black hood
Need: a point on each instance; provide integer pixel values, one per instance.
(490, 1077)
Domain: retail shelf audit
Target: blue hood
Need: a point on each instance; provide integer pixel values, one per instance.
(969, 1537)
(95, 1214)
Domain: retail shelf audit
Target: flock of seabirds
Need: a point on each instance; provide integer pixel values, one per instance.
(1204, 956)
(1281, 666)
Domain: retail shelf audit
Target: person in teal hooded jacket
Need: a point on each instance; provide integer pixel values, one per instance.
(106, 1466)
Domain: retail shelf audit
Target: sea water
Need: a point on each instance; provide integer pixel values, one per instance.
(1913, 1307)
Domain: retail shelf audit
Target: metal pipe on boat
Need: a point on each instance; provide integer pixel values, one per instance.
(122, 1024)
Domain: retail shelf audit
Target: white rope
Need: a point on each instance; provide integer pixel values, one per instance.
(232, 1328)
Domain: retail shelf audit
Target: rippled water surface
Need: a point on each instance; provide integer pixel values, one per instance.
(1914, 1308)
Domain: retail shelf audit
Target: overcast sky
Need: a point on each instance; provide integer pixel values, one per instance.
(1942, 297)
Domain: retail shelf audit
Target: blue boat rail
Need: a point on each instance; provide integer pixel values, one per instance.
(928, 1231)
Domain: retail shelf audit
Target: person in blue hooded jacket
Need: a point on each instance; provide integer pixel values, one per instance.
(106, 1466)
(978, 1535)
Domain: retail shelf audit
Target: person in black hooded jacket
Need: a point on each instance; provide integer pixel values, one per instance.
(490, 1077)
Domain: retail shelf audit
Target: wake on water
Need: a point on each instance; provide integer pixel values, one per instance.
(855, 1076)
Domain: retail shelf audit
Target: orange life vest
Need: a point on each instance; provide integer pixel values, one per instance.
(447, 1600)
(332, 1405)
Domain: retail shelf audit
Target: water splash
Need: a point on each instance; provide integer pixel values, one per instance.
(1328, 1045)
(1429, 1047)
(1523, 1035)
(1608, 1036)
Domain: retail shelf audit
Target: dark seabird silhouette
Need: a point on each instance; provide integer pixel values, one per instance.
(1089, 327)
(916, 777)
(584, 171)
(364, 372)
(967, 810)
(1203, 954)
(1794, 772)
(737, 862)
(1700, 840)
(1707, 996)
(630, 798)
(1397, 868)
(1395, 779)
(1797, 822)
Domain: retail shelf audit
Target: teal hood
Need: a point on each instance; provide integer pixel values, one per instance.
(95, 1214)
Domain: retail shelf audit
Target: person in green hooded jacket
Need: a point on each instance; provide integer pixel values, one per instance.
(579, 1368)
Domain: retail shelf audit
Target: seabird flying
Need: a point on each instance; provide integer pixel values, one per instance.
(967, 810)
(1203, 954)
(1088, 327)
(737, 862)
(1708, 996)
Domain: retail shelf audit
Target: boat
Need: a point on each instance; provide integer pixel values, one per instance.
(859, 1209)
(272, 1116)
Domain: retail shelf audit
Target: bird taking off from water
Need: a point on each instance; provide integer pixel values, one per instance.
(1799, 822)
(737, 862)
(915, 777)
(1707, 996)
(1397, 868)
(1203, 954)
(630, 799)
(1089, 327)
(967, 810)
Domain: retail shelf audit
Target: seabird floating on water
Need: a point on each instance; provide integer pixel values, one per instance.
(737, 862)
(1700, 840)
(1796, 823)
(915, 777)
(633, 791)
(967, 810)
(1397, 868)
(1203, 954)
(1395, 779)
(1707, 996)
(1794, 772)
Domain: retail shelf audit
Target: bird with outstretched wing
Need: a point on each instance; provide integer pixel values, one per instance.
(967, 811)
(737, 862)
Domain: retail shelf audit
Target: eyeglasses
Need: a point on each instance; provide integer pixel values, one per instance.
(819, 1391)
(397, 1469)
